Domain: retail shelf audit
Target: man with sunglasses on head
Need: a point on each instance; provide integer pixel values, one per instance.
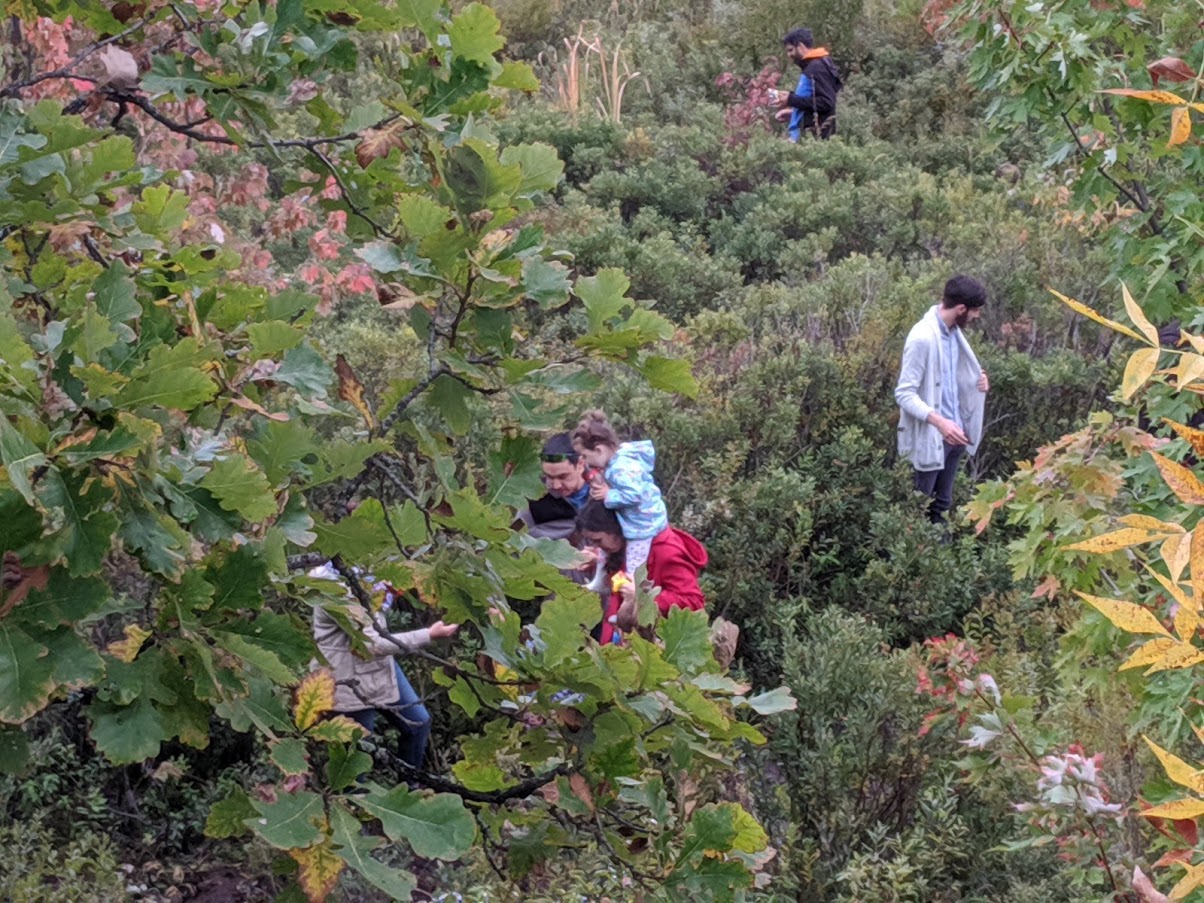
(566, 476)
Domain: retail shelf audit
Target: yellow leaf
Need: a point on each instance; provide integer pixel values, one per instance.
(1194, 437)
(1137, 315)
(1081, 308)
(1180, 126)
(320, 868)
(1190, 370)
(1114, 541)
(1184, 655)
(1151, 96)
(1185, 484)
(1125, 615)
(1176, 769)
(351, 390)
(1175, 591)
(1187, 622)
(1145, 522)
(336, 729)
(1189, 882)
(1188, 808)
(1148, 653)
(1197, 564)
(127, 650)
(315, 696)
(1176, 551)
(1141, 367)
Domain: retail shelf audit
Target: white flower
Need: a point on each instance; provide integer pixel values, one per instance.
(987, 684)
(980, 736)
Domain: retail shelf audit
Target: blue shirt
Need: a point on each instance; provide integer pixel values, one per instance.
(803, 90)
(949, 357)
(580, 497)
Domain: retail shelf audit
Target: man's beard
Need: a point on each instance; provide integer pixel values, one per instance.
(963, 319)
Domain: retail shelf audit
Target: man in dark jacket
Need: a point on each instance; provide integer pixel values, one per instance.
(566, 477)
(811, 109)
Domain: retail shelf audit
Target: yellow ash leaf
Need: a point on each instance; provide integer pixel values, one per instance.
(1194, 437)
(1176, 552)
(1152, 96)
(1125, 615)
(1137, 315)
(1189, 882)
(320, 869)
(1184, 655)
(1180, 126)
(127, 650)
(1114, 541)
(1141, 367)
(1185, 484)
(501, 672)
(1175, 591)
(1197, 563)
(1148, 653)
(314, 697)
(1188, 808)
(1080, 308)
(1176, 769)
(1187, 622)
(1190, 370)
(1145, 522)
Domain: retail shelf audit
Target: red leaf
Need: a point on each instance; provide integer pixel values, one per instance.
(1171, 68)
(1186, 827)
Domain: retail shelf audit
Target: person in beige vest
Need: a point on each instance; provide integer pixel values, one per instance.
(366, 683)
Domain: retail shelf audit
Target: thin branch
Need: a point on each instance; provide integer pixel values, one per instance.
(381, 231)
(186, 129)
(15, 88)
(411, 396)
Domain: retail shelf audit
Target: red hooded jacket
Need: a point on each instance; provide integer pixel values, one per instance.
(674, 562)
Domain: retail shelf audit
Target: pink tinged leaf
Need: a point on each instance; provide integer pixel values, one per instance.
(1171, 68)
(120, 68)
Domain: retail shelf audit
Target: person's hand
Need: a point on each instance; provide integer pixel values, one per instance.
(598, 488)
(950, 431)
(627, 616)
(984, 384)
(440, 630)
(783, 114)
(626, 592)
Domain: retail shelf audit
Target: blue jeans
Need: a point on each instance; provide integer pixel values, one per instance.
(410, 716)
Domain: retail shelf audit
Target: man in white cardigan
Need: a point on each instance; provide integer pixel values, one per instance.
(941, 392)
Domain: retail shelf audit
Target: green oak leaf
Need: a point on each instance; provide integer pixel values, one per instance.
(26, 675)
(687, 639)
(474, 33)
(564, 624)
(127, 733)
(541, 166)
(356, 850)
(227, 818)
(239, 486)
(345, 765)
(290, 822)
(437, 827)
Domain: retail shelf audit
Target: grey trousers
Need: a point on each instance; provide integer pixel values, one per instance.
(938, 484)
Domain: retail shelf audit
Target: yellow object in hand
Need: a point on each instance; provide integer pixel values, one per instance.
(618, 580)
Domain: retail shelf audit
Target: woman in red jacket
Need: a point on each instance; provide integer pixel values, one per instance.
(674, 562)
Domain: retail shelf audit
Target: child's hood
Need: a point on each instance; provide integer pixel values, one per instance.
(641, 452)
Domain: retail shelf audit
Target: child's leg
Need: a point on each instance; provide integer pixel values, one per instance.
(637, 554)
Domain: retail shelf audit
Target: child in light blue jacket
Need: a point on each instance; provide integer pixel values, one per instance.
(624, 483)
